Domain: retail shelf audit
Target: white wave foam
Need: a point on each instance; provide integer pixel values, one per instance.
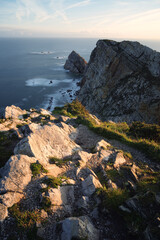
(36, 82)
(42, 53)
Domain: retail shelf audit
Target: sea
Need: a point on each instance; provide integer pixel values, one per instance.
(32, 73)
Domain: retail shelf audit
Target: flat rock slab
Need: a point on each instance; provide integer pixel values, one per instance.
(47, 141)
(63, 195)
(77, 228)
(90, 184)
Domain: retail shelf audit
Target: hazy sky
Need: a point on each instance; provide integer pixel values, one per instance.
(129, 19)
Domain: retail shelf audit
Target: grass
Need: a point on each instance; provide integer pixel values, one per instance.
(119, 131)
(37, 169)
(58, 161)
(112, 198)
(46, 203)
(26, 223)
(25, 219)
(20, 125)
(52, 182)
(149, 182)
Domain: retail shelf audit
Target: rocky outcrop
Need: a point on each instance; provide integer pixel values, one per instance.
(75, 63)
(14, 112)
(77, 228)
(122, 82)
(66, 182)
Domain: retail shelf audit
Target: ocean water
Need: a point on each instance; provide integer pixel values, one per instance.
(32, 73)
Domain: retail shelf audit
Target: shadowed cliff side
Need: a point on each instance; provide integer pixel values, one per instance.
(122, 82)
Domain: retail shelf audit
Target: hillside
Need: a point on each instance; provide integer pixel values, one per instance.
(75, 177)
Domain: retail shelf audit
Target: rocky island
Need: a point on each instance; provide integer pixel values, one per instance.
(68, 175)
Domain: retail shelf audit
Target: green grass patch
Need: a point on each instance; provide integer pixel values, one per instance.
(112, 198)
(146, 131)
(46, 203)
(118, 131)
(20, 125)
(52, 182)
(25, 219)
(37, 168)
(149, 182)
(58, 161)
(113, 174)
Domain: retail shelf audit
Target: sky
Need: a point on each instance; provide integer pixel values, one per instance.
(126, 19)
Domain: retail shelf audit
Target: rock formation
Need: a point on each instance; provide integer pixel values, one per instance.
(55, 183)
(122, 82)
(75, 63)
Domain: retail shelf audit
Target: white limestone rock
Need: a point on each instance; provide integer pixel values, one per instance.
(47, 141)
(90, 184)
(79, 228)
(14, 112)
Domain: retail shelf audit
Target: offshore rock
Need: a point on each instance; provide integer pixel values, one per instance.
(75, 63)
(122, 82)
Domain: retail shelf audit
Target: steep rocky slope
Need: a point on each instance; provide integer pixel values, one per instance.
(65, 182)
(122, 82)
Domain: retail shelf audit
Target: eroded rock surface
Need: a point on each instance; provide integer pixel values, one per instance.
(122, 82)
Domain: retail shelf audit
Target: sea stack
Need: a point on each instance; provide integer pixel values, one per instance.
(75, 63)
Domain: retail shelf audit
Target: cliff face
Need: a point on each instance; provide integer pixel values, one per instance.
(122, 82)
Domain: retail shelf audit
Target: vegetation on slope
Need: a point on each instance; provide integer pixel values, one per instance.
(142, 136)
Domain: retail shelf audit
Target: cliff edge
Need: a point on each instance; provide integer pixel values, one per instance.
(122, 82)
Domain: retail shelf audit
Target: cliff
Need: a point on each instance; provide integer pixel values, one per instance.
(61, 180)
(122, 82)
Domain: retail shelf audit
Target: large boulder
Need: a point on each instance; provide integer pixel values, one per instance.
(47, 141)
(75, 63)
(14, 112)
(76, 228)
(122, 82)
(63, 195)
(15, 176)
(90, 184)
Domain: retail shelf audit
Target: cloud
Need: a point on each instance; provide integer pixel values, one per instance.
(79, 4)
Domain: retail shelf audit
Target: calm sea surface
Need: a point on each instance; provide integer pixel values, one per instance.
(32, 74)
